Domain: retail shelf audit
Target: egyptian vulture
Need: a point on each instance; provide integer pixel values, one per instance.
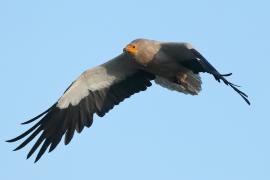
(175, 66)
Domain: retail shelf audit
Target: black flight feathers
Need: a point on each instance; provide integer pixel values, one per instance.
(205, 66)
(54, 123)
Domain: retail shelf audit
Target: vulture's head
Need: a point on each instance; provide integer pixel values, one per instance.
(142, 50)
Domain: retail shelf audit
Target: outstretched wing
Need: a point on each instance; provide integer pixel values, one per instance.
(97, 90)
(189, 57)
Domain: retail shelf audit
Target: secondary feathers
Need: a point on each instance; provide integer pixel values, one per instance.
(175, 66)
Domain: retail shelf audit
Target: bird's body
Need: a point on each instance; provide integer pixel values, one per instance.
(96, 91)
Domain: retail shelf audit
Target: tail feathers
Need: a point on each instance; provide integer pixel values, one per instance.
(188, 83)
(192, 83)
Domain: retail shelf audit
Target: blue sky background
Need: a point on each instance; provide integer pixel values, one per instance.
(158, 134)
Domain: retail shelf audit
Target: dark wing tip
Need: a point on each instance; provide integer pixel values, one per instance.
(207, 67)
(10, 140)
(55, 122)
(247, 101)
(42, 150)
(36, 160)
(38, 116)
(242, 94)
(229, 74)
(51, 128)
(25, 133)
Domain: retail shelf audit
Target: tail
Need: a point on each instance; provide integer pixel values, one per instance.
(187, 83)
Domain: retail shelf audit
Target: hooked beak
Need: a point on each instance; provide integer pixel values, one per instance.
(130, 49)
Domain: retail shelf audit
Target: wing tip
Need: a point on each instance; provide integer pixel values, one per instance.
(10, 140)
(17, 148)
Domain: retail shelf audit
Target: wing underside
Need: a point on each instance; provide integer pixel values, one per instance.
(84, 98)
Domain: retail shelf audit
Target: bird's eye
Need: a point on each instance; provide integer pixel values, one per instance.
(133, 46)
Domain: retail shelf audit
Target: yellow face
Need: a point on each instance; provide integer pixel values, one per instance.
(131, 49)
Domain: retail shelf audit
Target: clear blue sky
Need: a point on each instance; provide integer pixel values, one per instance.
(158, 134)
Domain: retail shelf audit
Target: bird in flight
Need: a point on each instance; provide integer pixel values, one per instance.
(175, 66)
